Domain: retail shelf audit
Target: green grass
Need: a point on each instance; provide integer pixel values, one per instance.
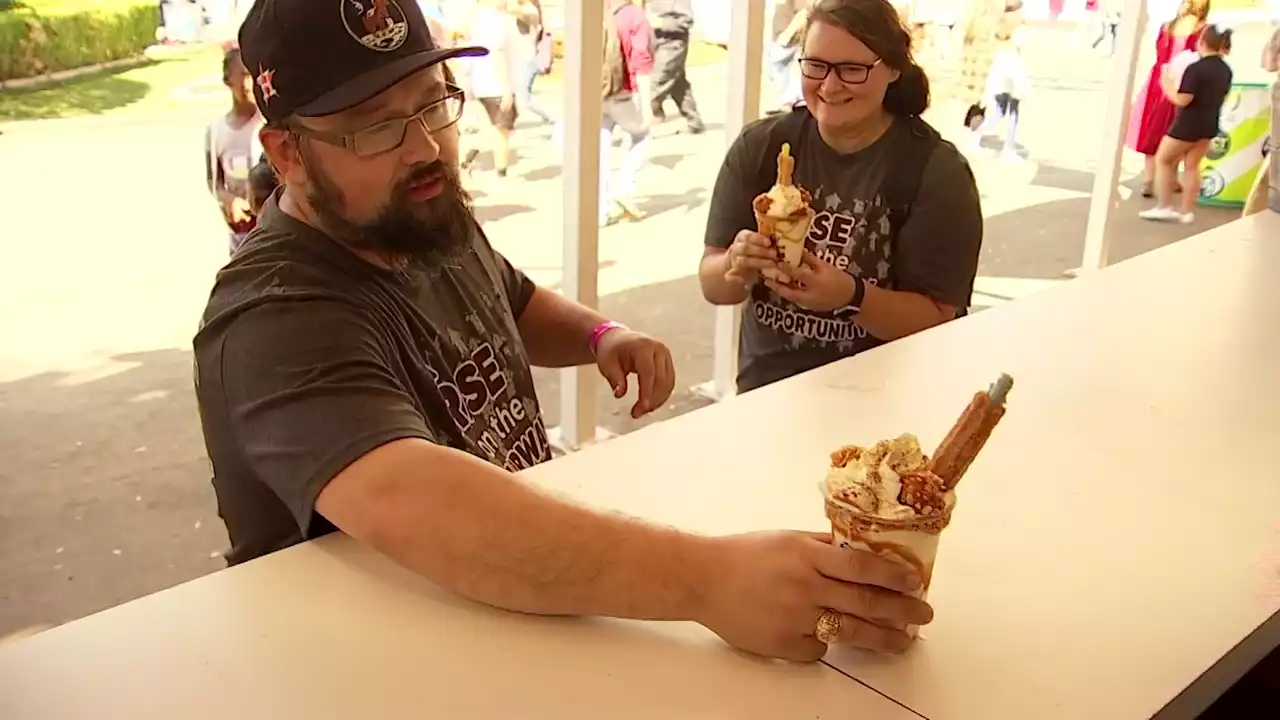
(61, 7)
(148, 87)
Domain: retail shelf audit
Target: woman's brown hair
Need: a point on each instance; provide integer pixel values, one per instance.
(1217, 39)
(877, 25)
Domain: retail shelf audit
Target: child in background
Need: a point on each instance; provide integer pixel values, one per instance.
(262, 182)
(1198, 99)
(1008, 84)
(228, 149)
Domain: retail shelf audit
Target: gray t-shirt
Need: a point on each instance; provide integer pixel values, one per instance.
(934, 254)
(309, 357)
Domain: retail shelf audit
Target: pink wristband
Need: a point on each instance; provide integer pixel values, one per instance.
(599, 331)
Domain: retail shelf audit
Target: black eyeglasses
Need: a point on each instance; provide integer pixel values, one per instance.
(389, 134)
(849, 73)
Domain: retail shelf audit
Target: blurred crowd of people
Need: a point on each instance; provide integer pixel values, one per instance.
(645, 56)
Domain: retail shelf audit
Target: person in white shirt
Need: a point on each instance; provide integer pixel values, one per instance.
(534, 55)
(229, 151)
(491, 79)
(1008, 84)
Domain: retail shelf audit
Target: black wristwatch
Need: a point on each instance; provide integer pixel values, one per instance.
(859, 294)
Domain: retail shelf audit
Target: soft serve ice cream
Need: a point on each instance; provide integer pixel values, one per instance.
(891, 479)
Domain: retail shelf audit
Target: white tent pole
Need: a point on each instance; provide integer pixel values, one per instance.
(584, 49)
(1106, 195)
(746, 51)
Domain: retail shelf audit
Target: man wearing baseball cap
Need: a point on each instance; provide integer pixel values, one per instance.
(364, 366)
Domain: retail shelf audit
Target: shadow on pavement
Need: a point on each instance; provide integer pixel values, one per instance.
(85, 95)
(1046, 240)
(668, 160)
(1062, 178)
(659, 203)
(546, 172)
(104, 493)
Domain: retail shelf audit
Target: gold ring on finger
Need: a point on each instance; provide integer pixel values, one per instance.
(828, 628)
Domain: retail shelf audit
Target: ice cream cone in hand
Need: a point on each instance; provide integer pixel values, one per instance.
(784, 214)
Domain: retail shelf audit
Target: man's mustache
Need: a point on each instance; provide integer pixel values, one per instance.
(422, 173)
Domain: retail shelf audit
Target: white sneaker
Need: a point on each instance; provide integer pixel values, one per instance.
(1186, 218)
(1161, 214)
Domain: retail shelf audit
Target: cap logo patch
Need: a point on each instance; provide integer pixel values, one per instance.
(266, 84)
(378, 24)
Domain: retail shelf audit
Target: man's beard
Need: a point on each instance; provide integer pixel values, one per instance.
(429, 233)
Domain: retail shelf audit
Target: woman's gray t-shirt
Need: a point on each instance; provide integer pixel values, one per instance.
(935, 253)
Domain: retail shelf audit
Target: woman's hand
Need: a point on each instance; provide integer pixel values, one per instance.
(816, 285)
(750, 253)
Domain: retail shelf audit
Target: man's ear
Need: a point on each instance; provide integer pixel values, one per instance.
(281, 148)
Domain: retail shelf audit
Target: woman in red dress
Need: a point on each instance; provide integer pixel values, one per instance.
(1153, 113)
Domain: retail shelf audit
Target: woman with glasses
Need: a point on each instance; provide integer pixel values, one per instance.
(893, 247)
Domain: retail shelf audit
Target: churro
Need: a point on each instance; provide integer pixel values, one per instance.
(971, 431)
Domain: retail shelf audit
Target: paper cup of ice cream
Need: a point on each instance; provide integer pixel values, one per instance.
(883, 500)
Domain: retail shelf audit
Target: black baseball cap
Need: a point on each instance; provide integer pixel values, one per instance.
(320, 57)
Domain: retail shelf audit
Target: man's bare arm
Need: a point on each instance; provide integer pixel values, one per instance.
(477, 530)
(556, 331)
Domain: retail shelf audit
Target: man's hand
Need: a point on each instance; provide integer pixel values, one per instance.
(508, 102)
(750, 253)
(766, 591)
(623, 352)
(816, 285)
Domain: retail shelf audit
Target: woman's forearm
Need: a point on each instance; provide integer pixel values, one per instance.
(716, 288)
(479, 531)
(893, 314)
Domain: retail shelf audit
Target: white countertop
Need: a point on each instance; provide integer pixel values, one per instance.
(1099, 563)
(330, 629)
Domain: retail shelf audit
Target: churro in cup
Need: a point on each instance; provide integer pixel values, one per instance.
(893, 500)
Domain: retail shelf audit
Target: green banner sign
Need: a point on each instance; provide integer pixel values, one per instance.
(1235, 157)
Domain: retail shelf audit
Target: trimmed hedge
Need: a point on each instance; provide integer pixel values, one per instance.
(33, 44)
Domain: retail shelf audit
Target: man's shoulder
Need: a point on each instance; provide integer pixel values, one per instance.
(275, 266)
